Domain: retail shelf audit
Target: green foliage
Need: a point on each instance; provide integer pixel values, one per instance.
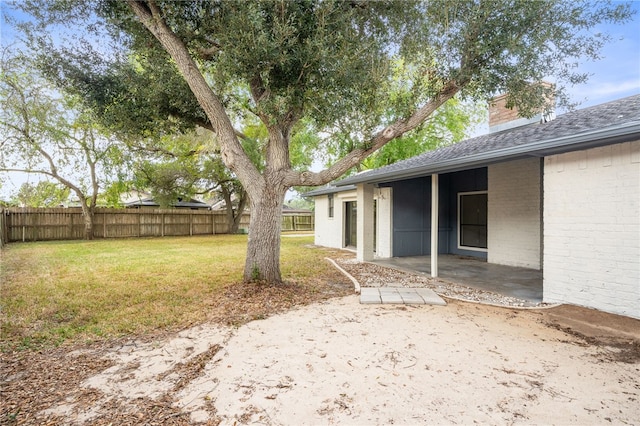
(326, 60)
(255, 273)
(110, 196)
(42, 194)
(176, 166)
(356, 73)
(49, 133)
(450, 124)
(346, 68)
(143, 96)
(301, 203)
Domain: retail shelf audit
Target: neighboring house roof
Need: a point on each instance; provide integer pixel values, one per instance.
(217, 202)
(133, 196)
(149, 202)
(287, 209)
(613, 122)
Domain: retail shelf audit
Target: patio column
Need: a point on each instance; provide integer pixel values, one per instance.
(434, 225)
(365, 222)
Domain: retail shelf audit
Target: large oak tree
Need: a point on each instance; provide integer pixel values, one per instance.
(44, 133)
(330, 62)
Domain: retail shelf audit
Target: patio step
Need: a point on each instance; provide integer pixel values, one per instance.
(401, 296)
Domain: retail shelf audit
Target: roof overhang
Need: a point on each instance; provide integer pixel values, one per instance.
(626, 132)
(329, 190)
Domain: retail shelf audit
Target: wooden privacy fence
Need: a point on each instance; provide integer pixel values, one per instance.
(297, 221)
(34, 224)
(3, 230)
(30, 224)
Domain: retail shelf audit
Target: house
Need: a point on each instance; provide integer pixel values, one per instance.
(559, 196)
(139, 199)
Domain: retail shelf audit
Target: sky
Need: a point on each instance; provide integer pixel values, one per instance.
(616, 75)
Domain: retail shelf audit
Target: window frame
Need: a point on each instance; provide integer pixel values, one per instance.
(330, 206)
(459, 223)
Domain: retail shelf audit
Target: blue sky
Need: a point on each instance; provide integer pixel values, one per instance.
(615, 76)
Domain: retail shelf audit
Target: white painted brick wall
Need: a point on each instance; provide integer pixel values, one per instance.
(513, 205)
(592, 228)
(329, 231)
(322, 221)
(384, 248)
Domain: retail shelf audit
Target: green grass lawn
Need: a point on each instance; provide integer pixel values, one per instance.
(54, 292)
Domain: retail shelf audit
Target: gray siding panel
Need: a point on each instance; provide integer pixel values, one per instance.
(411, 217)
(412, 212)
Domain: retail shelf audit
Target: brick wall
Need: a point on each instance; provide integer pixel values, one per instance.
(384, 247)
(502, 118)
(513, 234)
(329, 232)
(592, 228)
(499, 113)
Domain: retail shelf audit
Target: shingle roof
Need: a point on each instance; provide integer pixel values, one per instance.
(150, 202)
(329, 189)
(612, 122)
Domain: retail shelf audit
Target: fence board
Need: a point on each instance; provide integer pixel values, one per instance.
(297, 222)
(31, 224)
(3, 228)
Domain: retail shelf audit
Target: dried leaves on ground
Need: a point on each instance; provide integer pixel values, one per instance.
(32, 382)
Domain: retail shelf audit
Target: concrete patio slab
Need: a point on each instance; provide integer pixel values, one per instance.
(522, 283)
(390, 295)
(370, 296)
(430, 297)
(411, 297)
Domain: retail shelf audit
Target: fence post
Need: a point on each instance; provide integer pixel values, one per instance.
(2, 234)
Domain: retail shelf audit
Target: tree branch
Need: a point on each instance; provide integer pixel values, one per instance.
(233, 154)
(388, 134)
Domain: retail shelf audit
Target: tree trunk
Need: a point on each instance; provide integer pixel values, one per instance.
(88, 226)
(242, 203)
(232, 224)
(228, 208)
(266, 189)
(263, 247)
(87, 216)
(234, 216)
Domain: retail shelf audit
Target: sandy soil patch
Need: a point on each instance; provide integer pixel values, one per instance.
(339, 362)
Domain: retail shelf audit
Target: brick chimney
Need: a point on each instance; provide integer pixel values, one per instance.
(503, 118)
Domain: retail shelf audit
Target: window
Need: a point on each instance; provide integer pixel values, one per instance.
(472, 220)
(330, 205)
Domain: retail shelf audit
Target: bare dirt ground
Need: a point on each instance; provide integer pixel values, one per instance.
(272, 357)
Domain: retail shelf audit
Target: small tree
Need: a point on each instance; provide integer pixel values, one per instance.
(186, 165)
(45, 134)
(42, 194)
(330, 62)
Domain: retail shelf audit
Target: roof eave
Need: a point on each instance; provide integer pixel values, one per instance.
(585, 140)
(330, 190)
